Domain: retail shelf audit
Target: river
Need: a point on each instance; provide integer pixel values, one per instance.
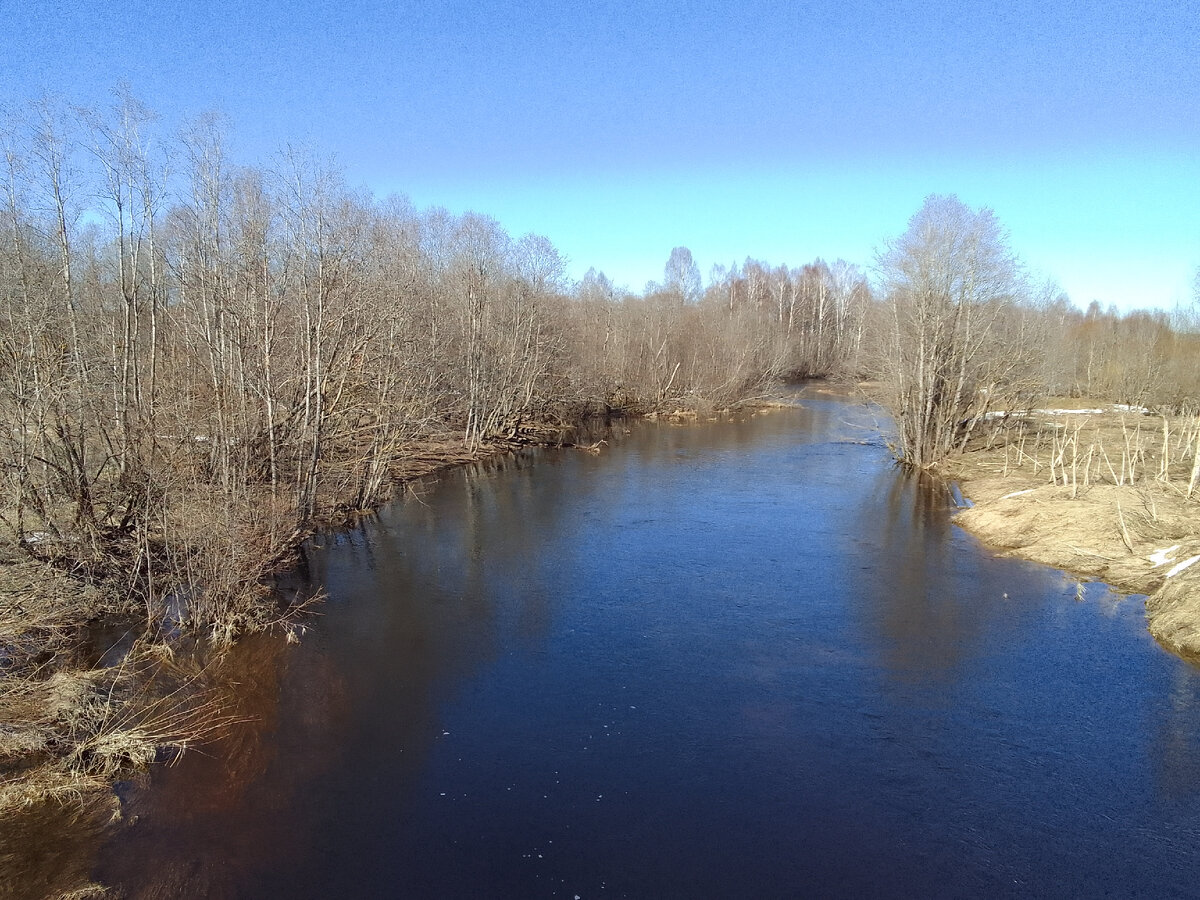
(723, 660)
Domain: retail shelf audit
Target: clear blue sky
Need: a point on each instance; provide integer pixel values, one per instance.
(619, 130)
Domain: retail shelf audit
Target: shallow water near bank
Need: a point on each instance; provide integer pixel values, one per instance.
(720, 660)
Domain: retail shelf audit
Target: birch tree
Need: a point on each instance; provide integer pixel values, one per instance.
(947, 281)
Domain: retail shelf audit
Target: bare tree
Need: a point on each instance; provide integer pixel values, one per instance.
(681, 275)
(947, 281)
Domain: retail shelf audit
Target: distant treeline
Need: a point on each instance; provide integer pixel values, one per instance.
(199, 360)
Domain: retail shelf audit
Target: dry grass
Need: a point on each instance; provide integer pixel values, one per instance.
(86, 892)
(68, 729)
(83, 728)
(67, 734)
(41, 608)
(1111, 495)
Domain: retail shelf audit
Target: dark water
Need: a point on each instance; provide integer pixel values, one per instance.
(726, 660)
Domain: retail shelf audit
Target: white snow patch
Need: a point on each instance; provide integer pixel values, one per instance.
(1018, 493)
(1095, 411)
(1161, 557)
(1183, 565)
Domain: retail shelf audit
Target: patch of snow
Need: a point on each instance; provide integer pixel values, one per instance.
(1095, 411)
(1017, 493)
(1183, 565)
(1160, 557)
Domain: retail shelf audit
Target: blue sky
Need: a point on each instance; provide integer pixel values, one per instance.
(619, 130)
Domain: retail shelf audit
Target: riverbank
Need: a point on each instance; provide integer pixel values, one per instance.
(89, 695)
(92, 687)
(1100, 492)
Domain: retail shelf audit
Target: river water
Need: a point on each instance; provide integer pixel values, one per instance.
(722, 660)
